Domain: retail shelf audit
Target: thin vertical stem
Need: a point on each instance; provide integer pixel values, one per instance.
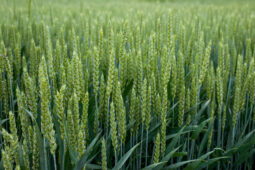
(222, 139)
(173, 116)
(137, 160)
(141, 148)
(63, 156)
(107, 117)
(121, 149)
(1, 115)
(219, 130)
(96, 116)
(233, 136)
(45, 154)
(133, 141)
(188, 142)
(219, 133)
(121, 152)
(11, 99)
(116, 158)
(55, 163)
(146, 154)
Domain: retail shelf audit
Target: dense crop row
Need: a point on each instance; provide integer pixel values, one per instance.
(127, 89)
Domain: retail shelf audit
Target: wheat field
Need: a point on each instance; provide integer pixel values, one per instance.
(129, 84)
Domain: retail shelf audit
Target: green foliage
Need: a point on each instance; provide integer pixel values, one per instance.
(136, 84)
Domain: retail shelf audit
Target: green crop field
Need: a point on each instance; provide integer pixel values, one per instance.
(127, 84)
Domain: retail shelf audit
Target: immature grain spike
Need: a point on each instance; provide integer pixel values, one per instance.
(173, 77)
(121, 46)
(30, 89)
(49, 58)
(9, 70)
(158, 106)
(71, 132)
(212, 111)
(76, 75)
(252, 88)
(137, 115)
(35, 151)
(80, 143)
(248, 51)
(123, 69)
(237, 94)
(151, 53)
(166, 74)
(153, 94)
(115, 84)
(96, 72)
(86, 80)
(46, 120)
(14, 133)
(148, 108)
(84, 118)
(187, 105)
(208, 82)
(59, 101)
(181, 36)
(76, 117)
(102, 89)
(181, 89)
(163, 136)
(69, 80)
(57, 60)
(221, 57)
(21, 112)
(132, 109)
(100, 55)
(110, 38)
(18, 55)
(25, 154)
(164, 104)
(139, 74)
(73, 39)
(108, 88)
(7, 159)
(181, 105)
(194, 90)
(81, 79)
(205, 63)
(190, 48)
(157, 149)
(129, 70)
(121, 115)
(244, 92)
(113, 128)
(227, 70)
(219, 90)
(30, 136)
(109, 84)
(163, 120)
(12, 145)
(13, 127)
(224, 118)
(103, 155)
(200, 52)
(144, 103)
(5, 96)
